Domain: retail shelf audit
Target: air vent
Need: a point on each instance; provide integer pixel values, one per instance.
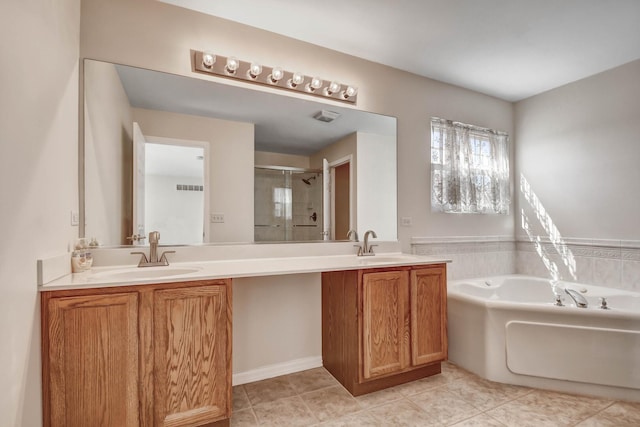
(326, 116)
(185, 187)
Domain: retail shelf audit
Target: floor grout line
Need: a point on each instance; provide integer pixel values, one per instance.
(459, 378)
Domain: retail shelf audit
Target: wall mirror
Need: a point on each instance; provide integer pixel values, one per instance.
(206, 162)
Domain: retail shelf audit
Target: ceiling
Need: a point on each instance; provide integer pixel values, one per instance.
(283, 124)
(510, 49)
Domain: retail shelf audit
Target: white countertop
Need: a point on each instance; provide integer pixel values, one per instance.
(124, 275)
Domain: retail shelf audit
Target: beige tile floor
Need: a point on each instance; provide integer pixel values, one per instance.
(453, 398)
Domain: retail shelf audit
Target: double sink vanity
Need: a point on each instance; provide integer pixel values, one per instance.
(132, 346)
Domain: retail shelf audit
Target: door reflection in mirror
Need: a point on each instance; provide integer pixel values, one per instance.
(172, 195)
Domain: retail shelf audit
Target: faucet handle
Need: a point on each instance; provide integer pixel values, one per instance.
(163, 257)
(143, 258)
(359, 249)
(154, 237)
(603, 303)
(371, 248)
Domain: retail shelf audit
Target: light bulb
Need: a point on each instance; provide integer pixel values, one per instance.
(254, 70)
(349, 92)
(277, 73)
(332, 88)
(232, 65)
(316, 83)
(296, 79)
(208, 59)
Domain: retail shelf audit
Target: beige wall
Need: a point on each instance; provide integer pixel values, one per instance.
(155, 35)
(230, 165)
(578, 149)
(150, 34)
(108, 150)
(264, 158)
(38, 181)
(273, 317)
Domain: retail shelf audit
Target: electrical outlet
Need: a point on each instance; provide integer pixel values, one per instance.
(216, 218)
(75, 218)
(406, 221)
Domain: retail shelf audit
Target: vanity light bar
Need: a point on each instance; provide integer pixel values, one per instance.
(253, 72)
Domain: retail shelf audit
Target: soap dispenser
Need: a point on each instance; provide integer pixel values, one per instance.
(81, 259)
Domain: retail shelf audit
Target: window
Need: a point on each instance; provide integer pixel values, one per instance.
(469, 168)
(282, 203)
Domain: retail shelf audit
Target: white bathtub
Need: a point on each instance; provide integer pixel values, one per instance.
(508, 329)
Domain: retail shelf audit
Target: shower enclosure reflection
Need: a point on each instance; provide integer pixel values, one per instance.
(288, 204)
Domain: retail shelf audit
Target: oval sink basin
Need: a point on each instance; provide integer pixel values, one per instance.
(141, 273)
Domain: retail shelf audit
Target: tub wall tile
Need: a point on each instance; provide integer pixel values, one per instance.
(461, 267)
(630, 254)
(471, 256)
(584, 270)
(607, 272)
(609, 263)
(631, 275)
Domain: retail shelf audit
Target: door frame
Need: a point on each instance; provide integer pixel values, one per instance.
(207, 193)
(332, 172)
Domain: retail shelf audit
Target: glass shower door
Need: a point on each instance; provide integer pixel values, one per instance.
(287, 205)
(272, 205)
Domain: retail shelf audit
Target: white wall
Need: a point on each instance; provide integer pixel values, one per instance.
(578, 161)
(178, 213)
(377, 207)
(38, 181)
(578, 148)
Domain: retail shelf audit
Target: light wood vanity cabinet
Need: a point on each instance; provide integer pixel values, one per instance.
(383, 327)
(148, 355)
(92, 360)
(192, 350)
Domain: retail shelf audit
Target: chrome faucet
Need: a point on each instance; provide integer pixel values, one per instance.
(577, 298)
(352, 235)
(153, 261)
(366, 249)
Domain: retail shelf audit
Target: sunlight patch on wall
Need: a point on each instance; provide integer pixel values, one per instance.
(551, 231)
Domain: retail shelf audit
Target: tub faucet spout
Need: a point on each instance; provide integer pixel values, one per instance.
(577, 298)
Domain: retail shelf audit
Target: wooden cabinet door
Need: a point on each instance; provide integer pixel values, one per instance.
(92, 371)
(385, 323)
(428, 315)
(192, 331)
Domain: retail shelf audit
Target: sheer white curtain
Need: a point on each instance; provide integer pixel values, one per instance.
(469, 168)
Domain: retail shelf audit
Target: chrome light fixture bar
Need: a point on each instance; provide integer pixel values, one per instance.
(253, 72)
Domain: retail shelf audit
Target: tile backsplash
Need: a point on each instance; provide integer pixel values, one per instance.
(471, 256)
(609, 263)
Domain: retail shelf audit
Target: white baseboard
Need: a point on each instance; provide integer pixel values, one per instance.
(277, 369)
